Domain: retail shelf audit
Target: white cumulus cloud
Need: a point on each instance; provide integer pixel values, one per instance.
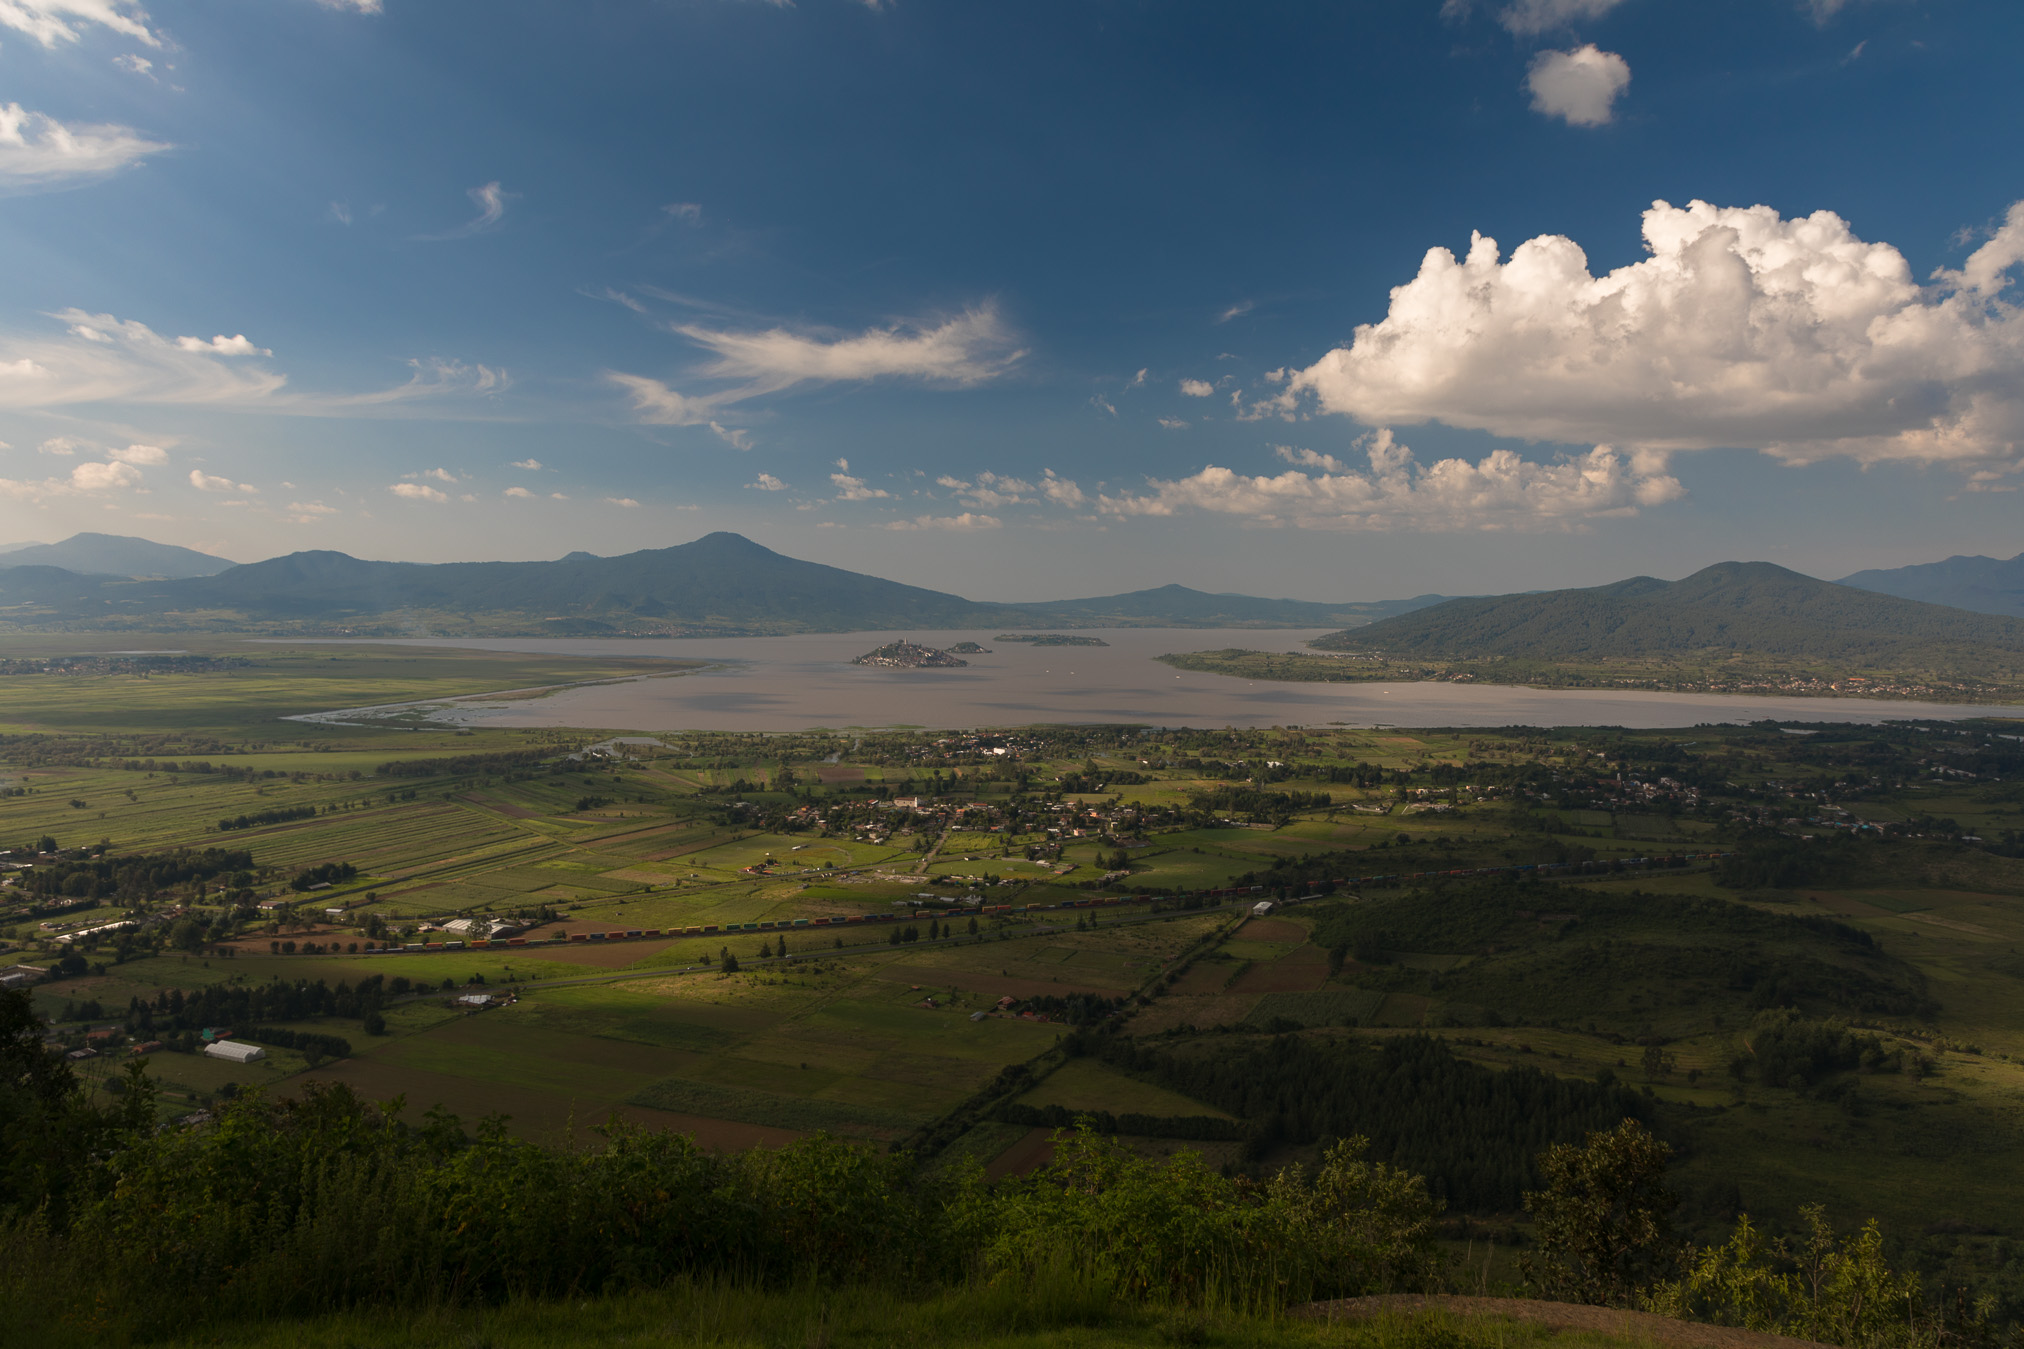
(1197, 388)
(84, 479)
(222, 346)
(531, 465)
(1327, 463)
(1579, 86)
(208, 482)
(39, 153)
(967, 522)
(104, 477)
(521, 492)
(417, 491)
(141, 454)
(1740, 329)
(767, 483)
(1060, 491)
(853, 489)
(1501, 491)
(626, 502)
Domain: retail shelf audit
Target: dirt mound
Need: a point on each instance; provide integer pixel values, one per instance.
(1560, 1316)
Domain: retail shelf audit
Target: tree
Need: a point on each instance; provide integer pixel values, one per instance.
(1604, 1219)
(893, 939)
(375, 1024)
(1831, 1289)
(730, 963)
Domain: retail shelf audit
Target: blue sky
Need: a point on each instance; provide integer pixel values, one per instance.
(1022, 300)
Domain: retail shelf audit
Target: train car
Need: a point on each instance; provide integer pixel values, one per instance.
(516, 941)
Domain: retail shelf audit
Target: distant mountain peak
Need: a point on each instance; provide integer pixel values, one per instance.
(117, 555)
(1987, 585)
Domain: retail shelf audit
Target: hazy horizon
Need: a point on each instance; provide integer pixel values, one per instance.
(1438, 297)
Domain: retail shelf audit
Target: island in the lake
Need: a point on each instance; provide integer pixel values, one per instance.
(910, 656)
(1050, 639)
(970, 649)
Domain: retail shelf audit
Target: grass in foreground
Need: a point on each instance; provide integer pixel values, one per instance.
(1059, 1313)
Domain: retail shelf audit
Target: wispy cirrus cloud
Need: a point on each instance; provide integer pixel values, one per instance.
(491, 200)
(1530, 18)
(52, 22)
(100, 357)
(40, 154)
(969, 349)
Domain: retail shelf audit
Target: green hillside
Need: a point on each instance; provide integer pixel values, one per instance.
(1752, 608)
(1738, 627)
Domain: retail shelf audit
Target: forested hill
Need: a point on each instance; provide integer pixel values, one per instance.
(722, 583)
(1742, 608)
(1985, 584)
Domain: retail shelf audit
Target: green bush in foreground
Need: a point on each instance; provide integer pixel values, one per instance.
(326, 1203)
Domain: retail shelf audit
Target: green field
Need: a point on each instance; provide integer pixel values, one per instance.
(1579, 978)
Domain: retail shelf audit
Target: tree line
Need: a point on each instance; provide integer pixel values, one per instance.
(140, 1232)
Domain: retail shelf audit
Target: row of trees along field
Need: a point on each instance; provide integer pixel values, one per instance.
(112, 1228)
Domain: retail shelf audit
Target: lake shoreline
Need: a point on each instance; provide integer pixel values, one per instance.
(806, 682)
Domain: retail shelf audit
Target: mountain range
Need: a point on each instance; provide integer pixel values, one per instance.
(721, 584)
(116, 555)
(1750, 609)
(1985, 584)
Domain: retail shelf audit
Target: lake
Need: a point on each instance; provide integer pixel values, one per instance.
(807, 682)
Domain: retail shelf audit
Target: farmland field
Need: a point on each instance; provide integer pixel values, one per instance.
(893, 1028)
